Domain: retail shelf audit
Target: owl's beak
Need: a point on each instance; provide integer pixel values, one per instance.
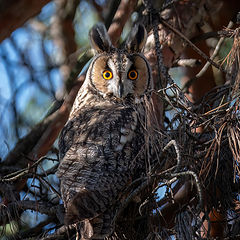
(120, 89)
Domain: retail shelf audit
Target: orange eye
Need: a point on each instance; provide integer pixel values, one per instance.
(107, 74)
(133, 74)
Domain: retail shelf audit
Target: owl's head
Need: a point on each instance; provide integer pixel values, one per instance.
(118, 73)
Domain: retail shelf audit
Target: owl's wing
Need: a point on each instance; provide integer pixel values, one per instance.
(99, 150)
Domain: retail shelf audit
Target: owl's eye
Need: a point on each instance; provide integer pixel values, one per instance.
(107, 74)
(133, 74)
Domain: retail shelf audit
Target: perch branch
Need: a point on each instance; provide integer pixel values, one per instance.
(61, 233)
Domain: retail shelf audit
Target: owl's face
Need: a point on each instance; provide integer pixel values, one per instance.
(119, 73)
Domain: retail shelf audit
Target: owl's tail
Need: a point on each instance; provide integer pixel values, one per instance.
(86, 205)
(103, 225)
(97, 228)
(92, 211)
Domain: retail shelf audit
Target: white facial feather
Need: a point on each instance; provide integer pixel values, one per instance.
(114, 83)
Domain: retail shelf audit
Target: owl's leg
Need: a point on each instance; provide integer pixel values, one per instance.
(97, 228)
(86, 230)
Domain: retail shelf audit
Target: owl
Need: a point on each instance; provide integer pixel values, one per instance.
(101, 143)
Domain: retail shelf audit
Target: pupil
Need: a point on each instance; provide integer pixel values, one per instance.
(132, 74)
(107, 74)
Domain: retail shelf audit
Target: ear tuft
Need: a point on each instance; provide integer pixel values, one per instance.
(137, 38)
(99, 38)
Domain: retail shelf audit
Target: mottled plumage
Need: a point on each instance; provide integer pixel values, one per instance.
(101, 144)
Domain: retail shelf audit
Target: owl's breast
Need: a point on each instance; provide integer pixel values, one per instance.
(106, 137)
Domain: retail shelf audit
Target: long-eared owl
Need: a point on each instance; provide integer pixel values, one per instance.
(101, 143)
